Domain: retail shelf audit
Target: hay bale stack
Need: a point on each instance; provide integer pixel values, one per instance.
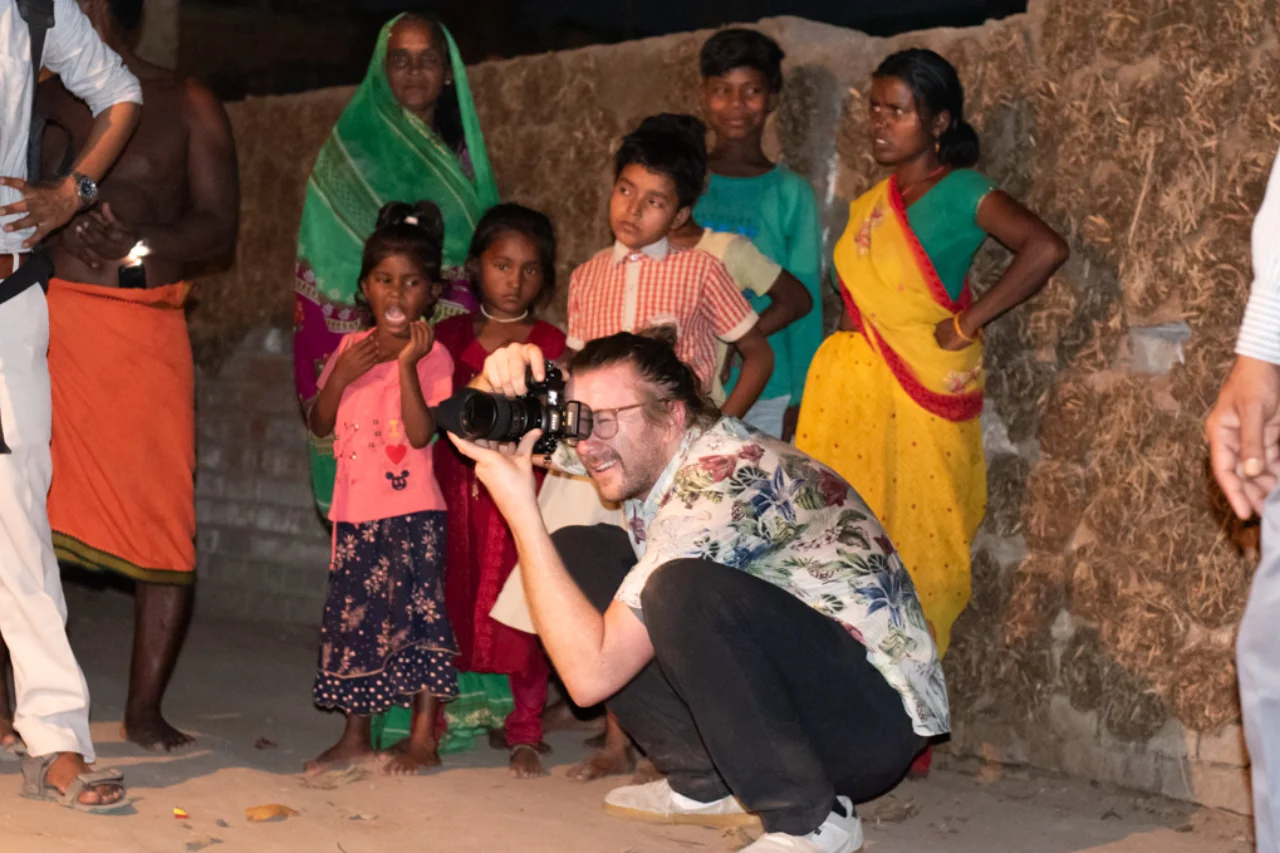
(1204, 695)
(1057, 494)
(1081, 670)
(1142, 130)
(258, 289)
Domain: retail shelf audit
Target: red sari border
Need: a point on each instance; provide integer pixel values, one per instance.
(936, 288)
(953, 407)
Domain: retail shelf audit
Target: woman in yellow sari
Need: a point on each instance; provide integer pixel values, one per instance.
(893, 398)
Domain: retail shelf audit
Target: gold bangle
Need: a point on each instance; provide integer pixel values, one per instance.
(956, 321)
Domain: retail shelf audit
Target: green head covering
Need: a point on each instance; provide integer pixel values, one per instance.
(380, 152)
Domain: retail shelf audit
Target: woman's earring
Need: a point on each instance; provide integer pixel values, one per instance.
(937, 146)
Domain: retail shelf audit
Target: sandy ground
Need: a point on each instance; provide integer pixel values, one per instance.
(239, 683)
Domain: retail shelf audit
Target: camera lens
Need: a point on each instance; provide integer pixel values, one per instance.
(472, 414)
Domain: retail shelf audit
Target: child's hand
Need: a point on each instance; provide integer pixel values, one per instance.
(356, 361)
(421, 337)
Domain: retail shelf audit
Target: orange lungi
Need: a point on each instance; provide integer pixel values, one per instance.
(123, 495)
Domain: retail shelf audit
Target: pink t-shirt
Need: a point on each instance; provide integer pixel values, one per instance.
(379, 474)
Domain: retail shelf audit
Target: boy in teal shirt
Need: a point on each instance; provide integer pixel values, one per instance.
(765, 201)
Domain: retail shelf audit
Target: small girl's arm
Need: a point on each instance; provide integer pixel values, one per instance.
(419, 425)
(344, 367)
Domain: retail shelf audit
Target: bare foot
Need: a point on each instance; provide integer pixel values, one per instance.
(597, 741)
(560, 718)
(341, 755)
(645, 773)
(64, 770)
(610, 761)
(410, 759)
(526, 760)
(151, 731)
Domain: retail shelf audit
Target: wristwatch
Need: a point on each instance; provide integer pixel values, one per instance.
(86, 189)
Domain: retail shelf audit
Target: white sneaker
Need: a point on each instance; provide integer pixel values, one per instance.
(838, 834)
(657, 803)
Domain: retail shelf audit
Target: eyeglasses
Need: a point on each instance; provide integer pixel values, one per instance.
(426, 61)
(603, 423)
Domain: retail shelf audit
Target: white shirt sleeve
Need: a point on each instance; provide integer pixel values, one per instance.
(1260, 331)
(89, 69)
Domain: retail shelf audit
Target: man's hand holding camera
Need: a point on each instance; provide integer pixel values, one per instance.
(506, 468)
(505, 370)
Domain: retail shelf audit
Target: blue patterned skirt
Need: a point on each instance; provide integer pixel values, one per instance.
(385, 636)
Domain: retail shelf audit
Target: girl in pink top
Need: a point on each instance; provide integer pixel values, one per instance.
(385, 638)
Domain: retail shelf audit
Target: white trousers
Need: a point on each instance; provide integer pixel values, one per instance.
(767, 415)
(1258, 662)
(52, 709)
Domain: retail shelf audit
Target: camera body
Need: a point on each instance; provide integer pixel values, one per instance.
(473, 414)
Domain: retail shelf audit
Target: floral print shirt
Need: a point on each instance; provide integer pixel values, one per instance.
(748, 501)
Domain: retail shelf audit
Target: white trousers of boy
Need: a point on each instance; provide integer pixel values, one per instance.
(52, 708)
(767, 415)
(1258, 663)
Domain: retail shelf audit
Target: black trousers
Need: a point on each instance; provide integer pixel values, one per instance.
(751, 692)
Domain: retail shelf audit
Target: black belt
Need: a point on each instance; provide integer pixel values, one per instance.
(35, 270)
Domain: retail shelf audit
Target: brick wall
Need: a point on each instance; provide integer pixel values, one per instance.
(263, 552)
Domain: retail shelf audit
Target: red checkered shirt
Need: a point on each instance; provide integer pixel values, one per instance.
(621, 290)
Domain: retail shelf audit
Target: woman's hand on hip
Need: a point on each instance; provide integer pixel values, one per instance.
(947, 337)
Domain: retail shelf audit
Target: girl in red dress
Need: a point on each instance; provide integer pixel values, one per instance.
(512, 261)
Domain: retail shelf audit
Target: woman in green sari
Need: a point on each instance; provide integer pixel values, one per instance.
(410, 132)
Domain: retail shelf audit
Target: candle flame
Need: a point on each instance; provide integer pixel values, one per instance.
(139, 251)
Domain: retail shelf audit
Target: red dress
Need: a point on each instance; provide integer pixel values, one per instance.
(481, 553)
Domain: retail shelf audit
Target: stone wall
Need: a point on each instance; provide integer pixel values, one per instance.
(1108, 580)
(262, 552)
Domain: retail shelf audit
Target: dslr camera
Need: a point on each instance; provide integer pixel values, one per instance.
(473, 414)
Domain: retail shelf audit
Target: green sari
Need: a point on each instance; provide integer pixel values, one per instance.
(380, 152)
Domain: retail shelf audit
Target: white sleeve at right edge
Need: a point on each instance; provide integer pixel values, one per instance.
(1260, 331)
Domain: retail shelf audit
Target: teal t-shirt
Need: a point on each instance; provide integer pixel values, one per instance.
(945, 221)
(777, 212)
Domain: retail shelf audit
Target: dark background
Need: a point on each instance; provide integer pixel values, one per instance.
(306, 44)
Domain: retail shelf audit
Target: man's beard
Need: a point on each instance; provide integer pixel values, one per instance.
(631, 479)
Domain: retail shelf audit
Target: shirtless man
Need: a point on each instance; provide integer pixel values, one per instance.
(124, 435)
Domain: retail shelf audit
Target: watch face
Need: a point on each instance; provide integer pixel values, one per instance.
(86, 188)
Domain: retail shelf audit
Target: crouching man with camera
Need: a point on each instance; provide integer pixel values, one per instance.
(753, 629)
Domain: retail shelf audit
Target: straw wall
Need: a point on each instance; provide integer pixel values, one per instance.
(1107, 580)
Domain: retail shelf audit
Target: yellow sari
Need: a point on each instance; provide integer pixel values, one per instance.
(896, 415)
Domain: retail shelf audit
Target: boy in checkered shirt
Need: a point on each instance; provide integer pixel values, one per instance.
(643, 281)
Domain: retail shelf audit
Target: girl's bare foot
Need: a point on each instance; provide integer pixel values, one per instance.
(418, 753)
(410, 758)
(354, 747)
(340, 756)
(526, 760)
